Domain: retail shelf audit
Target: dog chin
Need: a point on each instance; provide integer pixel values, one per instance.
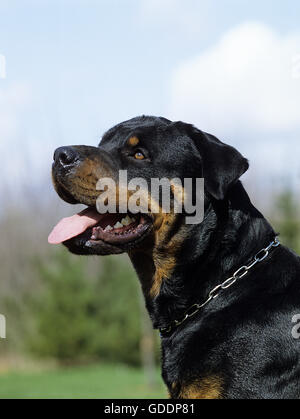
(83, 247)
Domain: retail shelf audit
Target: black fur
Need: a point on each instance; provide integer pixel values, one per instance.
(243, 337)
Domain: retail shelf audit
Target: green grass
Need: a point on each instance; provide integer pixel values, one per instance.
(100, 381)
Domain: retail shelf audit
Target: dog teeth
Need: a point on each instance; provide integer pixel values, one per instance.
(108, 228)
(127, 221)
(118, 225)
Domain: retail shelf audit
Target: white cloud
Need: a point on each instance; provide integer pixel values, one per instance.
(244, 91)
(244, 84)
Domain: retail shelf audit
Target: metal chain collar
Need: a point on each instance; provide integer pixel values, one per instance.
(239, 274)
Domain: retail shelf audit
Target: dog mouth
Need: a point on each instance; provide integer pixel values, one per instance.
(120, 229)
(91, 229)
(90, 232)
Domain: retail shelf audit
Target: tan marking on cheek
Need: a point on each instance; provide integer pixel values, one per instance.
(207, 388)
(133, 141)
(165, 249)
(165, 261)
(164, 223)
(164, 269)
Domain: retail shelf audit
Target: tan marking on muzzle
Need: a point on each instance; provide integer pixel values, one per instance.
(82, 184)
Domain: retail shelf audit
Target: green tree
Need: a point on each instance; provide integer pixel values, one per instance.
(82, 316)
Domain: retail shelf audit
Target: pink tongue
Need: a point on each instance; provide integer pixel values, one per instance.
(71, 227)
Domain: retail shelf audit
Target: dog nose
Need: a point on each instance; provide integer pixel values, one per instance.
(65, 156)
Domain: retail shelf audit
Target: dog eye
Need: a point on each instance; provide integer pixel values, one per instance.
(139, 155)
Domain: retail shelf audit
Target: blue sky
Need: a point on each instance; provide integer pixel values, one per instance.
(75, 68)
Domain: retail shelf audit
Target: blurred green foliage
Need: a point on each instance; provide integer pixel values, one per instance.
(287, 219)
(81, 315)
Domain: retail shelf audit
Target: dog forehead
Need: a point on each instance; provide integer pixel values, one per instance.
(145, 131)
(145, 127)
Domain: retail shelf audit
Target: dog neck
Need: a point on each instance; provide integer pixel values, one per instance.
(174, 278)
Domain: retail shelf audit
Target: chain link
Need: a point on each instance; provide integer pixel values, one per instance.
(239, 274)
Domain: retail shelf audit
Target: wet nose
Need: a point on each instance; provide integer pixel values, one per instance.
(65, 156)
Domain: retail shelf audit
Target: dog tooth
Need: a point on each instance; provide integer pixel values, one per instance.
(118, 225)
(108, 228)
(126, 221)
(95, 235)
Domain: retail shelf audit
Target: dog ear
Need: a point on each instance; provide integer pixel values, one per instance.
(222, 164)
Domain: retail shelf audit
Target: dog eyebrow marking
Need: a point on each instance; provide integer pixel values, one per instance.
(133, 141)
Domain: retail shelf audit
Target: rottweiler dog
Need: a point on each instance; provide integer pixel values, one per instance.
(223, 292)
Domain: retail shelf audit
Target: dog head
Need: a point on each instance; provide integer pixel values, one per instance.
(145, 148)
